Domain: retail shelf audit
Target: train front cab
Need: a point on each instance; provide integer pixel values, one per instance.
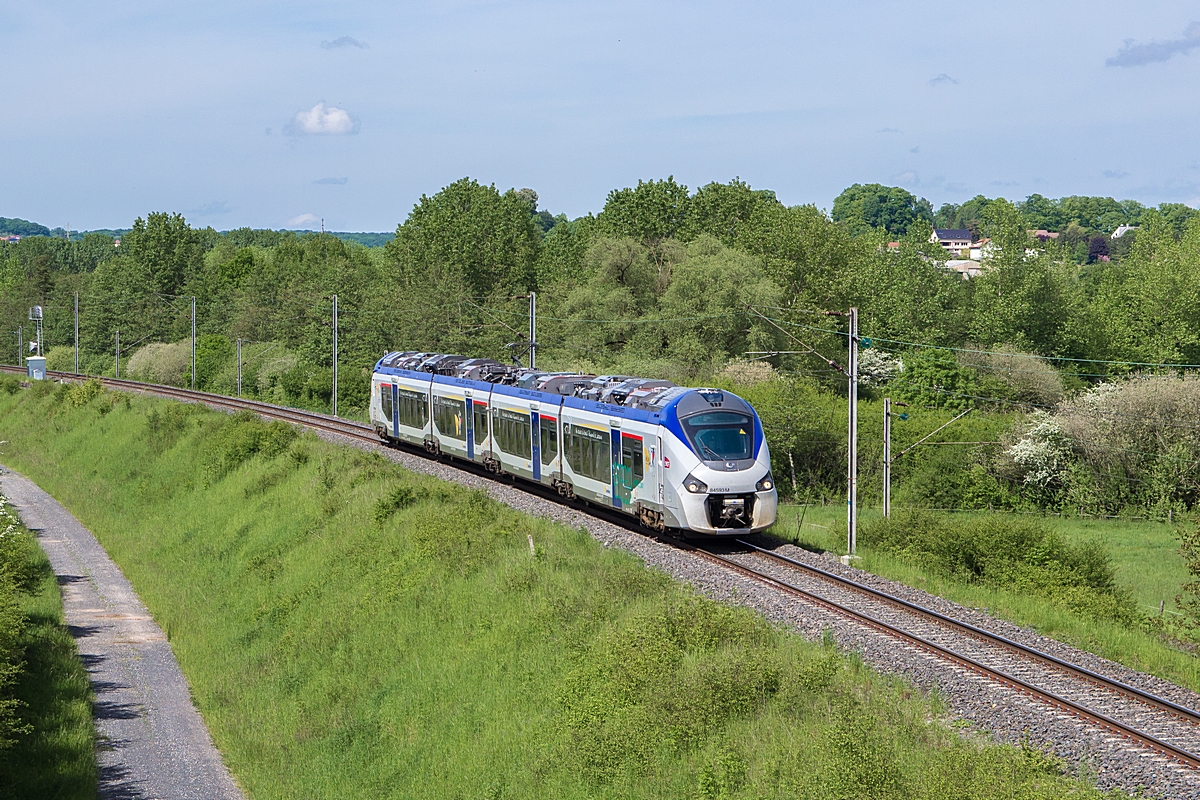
(729, 491)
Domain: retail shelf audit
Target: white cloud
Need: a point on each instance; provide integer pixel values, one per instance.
(322, 120)
(344, 41)
(1139, 55)
(303, 219)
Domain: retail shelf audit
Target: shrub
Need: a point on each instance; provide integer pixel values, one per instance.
(1019, 554)
(740, 372)
(10, 384)
(168, 364)
(213, 352)
(61, 358)
(398, 499)
(237, 439)
(80, 394)
(1011, 374)
(11, 653)
(1137, 444)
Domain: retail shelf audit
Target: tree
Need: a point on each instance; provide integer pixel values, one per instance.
(1147, 306)
(471, 234)
(21, 227)
(1177, 217)
(167, 248)
(721, 209)
(872, 205)
(1097, 247)
(1017, 298)
(651, 212)
(802, 251)
(706, 305)
(968, 216)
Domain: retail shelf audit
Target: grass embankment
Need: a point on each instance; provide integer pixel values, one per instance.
(46, 733)
(1119, 622)
(350, 629)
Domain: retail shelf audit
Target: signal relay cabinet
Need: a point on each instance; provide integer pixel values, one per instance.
(36, 368)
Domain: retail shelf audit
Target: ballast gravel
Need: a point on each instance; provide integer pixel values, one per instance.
(998, 711)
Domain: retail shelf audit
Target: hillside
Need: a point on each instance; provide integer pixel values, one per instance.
(351, 629)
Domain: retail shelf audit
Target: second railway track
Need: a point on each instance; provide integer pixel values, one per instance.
(1141, 717)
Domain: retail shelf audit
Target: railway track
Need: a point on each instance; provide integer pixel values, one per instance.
(1151, 721)
(1142, 717)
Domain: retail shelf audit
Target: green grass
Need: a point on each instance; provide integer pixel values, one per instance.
(55, 755)
(1145, 555)
(350, 629)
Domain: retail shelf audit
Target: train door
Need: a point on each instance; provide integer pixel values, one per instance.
(536, 443)
(618, 477)
(395, 407)
(470, 425)
(655, 478)
(479, 424)
(629, 466)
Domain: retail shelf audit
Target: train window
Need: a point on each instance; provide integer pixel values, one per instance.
(513, 432)
(481, 422)
(549, 439)
(631, 459)
(385, 398)
(449, 416)
(413, 409)
(588, 451)
(721, 435)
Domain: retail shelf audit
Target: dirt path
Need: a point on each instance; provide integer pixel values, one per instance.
(152, 742)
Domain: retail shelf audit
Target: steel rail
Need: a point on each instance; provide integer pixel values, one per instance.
(361, 431)
(1112, 684)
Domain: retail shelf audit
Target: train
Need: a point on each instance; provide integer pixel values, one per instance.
(682, 461)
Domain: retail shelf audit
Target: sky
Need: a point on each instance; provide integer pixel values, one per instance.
(281, 114)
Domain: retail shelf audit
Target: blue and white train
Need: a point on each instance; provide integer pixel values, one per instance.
(691, 460)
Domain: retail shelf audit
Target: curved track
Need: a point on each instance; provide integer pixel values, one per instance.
(1141, 716)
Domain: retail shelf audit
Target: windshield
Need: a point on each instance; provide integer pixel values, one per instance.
(721, 435)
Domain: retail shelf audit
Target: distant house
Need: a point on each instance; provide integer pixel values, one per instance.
(1124, 229)
(1042, 235)
(12, 238)
(983, 249)
(954, 240)
(968, 268)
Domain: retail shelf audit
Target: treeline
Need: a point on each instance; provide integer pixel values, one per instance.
(1083, 225)
(664, 281)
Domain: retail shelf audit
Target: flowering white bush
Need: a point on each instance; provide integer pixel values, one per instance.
(1042, 451)
(876, 367)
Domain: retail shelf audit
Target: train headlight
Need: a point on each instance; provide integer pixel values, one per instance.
(766, 484)
(695, 485)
